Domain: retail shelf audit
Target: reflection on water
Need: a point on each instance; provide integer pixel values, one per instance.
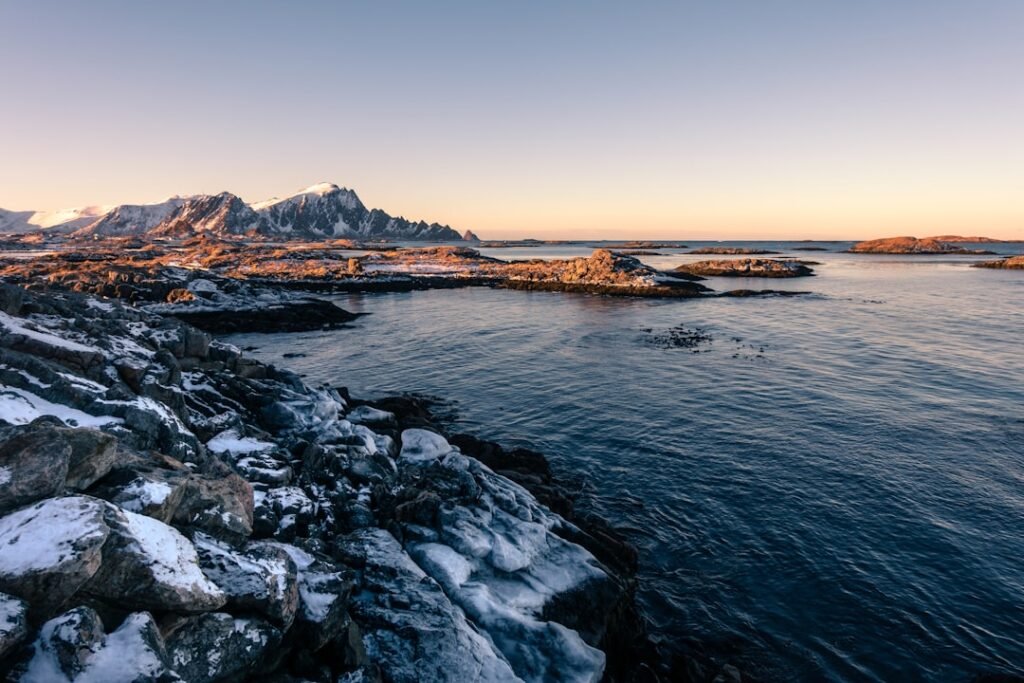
(847, 504)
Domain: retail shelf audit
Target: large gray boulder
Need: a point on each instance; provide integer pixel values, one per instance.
(150, 565)
(51, 549)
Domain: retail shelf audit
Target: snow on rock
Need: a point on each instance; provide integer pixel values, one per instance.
(494, 554)
(51, 549)
(323, 595)
(19, 407)
(73, 648)
(150, 565)
(421, 445)
(13, 623)
(144, 496)
(218, 647)
(259, 578)
(230, 441)
(367, 415)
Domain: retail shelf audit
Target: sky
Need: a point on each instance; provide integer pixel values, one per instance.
(721, 119)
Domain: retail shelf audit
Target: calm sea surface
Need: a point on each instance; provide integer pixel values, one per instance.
(832, 487)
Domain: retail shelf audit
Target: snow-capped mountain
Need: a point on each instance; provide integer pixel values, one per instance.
(131, 219)
(220, 214)
(321, 211)
(18, 222)
(326, 210)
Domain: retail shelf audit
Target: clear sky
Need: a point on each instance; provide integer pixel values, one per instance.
(715, 119)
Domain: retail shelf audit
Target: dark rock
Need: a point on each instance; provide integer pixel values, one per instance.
(13, 624)
(33, 464)
(11, 299)
(93, 453)
(219, 647)
(259, 578)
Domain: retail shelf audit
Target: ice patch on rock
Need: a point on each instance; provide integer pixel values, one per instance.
(230, 441)
(421, 445)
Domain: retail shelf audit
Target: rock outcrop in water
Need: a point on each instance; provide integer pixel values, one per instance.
(733, 251)
(172, 510)
(911, 245)
(747, 267)
(1009, 263)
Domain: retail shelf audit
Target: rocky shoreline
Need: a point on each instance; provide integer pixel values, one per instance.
(173, 510)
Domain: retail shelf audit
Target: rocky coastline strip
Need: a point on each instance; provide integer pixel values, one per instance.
(226, 286)
(173, 510)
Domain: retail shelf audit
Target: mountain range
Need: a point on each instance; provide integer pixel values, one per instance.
(321, 211)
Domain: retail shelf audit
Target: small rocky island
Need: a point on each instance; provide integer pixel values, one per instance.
(912, 245)
(171, 510)
(747, 267)
(733, 251)
(1009, 263)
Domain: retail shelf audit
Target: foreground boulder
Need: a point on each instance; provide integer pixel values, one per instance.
(74, 648)
(56, 548)
(51, 550)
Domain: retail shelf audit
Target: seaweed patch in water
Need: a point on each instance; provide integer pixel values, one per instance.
(679, 337)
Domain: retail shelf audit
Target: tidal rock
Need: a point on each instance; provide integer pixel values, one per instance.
(421, 445)
(33, 464)
(410, 627)
(73, 648)
(260, 578)
(219, 647)
(51, 549)
(371, 417)
(13, 623)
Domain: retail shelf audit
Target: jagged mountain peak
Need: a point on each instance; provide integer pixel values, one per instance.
(318, 211)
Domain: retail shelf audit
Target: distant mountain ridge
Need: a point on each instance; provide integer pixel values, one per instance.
(324, 210)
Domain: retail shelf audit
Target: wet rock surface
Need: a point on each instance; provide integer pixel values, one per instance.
(207, 517)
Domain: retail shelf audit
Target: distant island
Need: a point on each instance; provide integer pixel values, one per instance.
(912, 245)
